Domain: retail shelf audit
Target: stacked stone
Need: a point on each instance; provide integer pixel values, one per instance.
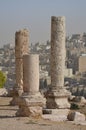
(31, 102)
(57, 95)
(21, 48)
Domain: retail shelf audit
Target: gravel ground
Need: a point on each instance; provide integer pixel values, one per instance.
(8, 120)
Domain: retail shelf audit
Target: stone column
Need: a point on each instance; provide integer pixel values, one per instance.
(31, 73)
(31, 102)
(57, 96)
(21, 48)
(57, 52)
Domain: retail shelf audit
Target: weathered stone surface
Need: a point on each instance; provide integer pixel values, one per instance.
(32, 99)
(57, 95)
(31, 105)
(55, 114)
(15, 101)
(60, 103)
(31, 102)
(52, 117)
(21, 43)
(71, 98)
(57, 99)
(56, 111)
(31, 73)
(10, 93)
(3, 92)
(80, 122)
(76, 116)
(21, 48)
(57, 52)
(83, 100)
(79, 99)
(26, 111)
(19, 73)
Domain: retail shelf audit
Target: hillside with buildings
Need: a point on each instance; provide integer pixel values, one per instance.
(75, 63)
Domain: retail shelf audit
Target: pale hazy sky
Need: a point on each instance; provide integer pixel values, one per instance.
(35, 15)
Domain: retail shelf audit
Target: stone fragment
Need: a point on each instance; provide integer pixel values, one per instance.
(55, 114)
(3, 92)
(76, 116)
(79, 99)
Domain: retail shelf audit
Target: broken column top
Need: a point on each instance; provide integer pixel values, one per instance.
(22, 32)
(58, 24)
(59, 18)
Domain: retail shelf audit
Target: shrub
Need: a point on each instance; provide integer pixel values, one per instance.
(74, 106)
(2, 79)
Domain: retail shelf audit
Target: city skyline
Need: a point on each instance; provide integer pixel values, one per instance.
(36, 17)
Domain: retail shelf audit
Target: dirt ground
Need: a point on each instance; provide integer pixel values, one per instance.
(8, 120)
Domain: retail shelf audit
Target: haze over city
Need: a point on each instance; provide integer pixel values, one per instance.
(35, 15)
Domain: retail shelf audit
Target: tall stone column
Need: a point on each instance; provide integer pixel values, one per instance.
(57, 52)
(57, 96)
(21, 48)
(31, 102)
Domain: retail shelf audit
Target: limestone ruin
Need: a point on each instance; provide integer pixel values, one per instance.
(21, 48)
(31, 102)
(57, 96)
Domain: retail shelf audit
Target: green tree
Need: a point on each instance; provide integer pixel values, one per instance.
(2, 79)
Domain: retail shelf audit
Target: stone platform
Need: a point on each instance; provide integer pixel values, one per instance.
(55, 114)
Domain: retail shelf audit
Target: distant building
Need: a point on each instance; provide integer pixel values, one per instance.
(84, 37)
(76, 36)
(68, 72)
(82, 63)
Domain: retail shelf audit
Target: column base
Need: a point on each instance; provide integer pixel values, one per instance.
(31, 105)
(57, 99)
(14, 101)
(16, 94)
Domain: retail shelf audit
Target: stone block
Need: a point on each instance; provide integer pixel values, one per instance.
(55, 114)
(26, 111)
(57, 99)
(56, 111)
(76, 116)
